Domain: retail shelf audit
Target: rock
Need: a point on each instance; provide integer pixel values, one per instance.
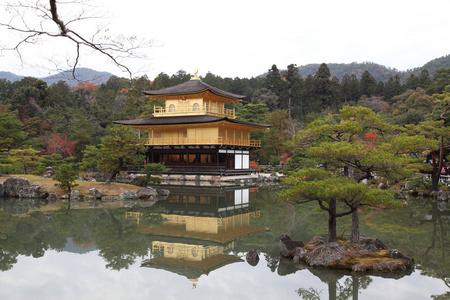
(147, 193)
(128, 195)
(2, 190)
(252, 257)
(94, 192)
(52, 198)
(287, 245)
(32, 191)
(360, 267)
(13, 185)
(129, 202)
(327, 255)
(74, 195)
(370, 247)
(317, 241)
(301, 254)
(372, 241)
(163, 192)
(442, 196)
(389, 265)
(394, 253)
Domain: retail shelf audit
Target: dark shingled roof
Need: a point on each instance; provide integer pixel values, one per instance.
(179, 120)
(192, 86)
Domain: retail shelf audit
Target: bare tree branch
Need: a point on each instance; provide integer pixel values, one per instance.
(33, 22)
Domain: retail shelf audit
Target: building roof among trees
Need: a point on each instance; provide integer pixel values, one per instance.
(193, 86)
(179, 120)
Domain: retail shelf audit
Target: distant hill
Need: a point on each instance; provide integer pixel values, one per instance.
(339, 70)
(10, 76)
(379, 72)
(82, 74)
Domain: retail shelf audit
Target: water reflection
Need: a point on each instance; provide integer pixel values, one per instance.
(197, 232)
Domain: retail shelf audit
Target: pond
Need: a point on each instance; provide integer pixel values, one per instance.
(192, 245)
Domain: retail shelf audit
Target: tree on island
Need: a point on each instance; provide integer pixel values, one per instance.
(357, 145)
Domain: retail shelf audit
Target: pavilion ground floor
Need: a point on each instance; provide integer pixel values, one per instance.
(202, 160)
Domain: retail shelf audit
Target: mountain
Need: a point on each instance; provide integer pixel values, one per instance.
(82, 74)
(379, 72)
(10, 76)
(339, 70)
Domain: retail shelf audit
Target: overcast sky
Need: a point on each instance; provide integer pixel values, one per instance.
(243, 38)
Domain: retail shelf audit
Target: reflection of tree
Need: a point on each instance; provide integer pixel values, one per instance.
(118, 245)
(349, 289)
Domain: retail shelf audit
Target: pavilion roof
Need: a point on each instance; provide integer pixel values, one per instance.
(180, 120)
(193, 86)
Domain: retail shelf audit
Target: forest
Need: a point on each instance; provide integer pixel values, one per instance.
(43, 125)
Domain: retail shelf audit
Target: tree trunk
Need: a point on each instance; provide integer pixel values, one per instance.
(435, 176)
(332, 236)
(355, 227)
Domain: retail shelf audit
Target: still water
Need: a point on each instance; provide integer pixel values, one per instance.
(192, 245)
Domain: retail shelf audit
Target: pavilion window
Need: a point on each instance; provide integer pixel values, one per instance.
(195, 107)
(171, 108)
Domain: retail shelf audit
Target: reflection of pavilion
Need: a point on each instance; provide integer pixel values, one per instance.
(201, 226)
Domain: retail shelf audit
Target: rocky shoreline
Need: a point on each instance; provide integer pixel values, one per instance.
(21, 188)
(369, 254)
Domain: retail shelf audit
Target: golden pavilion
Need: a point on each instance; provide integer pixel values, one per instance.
(195, 133)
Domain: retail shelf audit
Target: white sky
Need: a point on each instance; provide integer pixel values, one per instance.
(243, 38)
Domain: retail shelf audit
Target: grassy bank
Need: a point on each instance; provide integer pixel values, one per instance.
(48, 184)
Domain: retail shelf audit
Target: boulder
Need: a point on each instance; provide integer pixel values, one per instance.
(32, 191)
(94, 192)
(360, 267)
(389, 265)
(442, 196)
(327, 255)
(128, 195)
(317, 241)
(163, 192)
(252, 257)
(372, 241)
(2, 190)
(74, 195)
(287, 245)
(147, 193)
(52, 198)
(13, 185)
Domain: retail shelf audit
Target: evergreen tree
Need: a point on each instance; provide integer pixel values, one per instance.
(368, 84)
(120, 147)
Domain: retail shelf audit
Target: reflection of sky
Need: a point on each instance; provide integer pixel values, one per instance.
(63, 275)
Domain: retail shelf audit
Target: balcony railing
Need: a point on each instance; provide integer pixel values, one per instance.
(179, 141)
(191, 110)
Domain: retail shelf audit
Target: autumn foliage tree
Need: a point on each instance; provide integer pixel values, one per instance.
(60, 145)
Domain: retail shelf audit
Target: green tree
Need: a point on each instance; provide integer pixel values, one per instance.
(120, 147)
(28, 159)
(357, 144)
(368, 84)
(338, 196)
(11, 134)
(66, 174)
(152, 170)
